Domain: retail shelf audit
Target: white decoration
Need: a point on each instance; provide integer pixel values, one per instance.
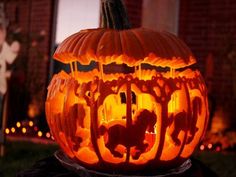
(7, 55)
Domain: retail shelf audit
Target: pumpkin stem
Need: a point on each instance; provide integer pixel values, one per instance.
(114, 15)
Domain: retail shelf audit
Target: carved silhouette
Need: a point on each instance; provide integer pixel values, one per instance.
(76, 114)
(180, 122)
(132, 136)
(196, 109)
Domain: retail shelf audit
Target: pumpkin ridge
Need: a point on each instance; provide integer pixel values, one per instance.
(181, 46)
(99, 47)
(80, 45)
(74, 42)
(139, 43)
(61, 48)
(153, 53)
(138, 48)
(171, 46)
(85, 48)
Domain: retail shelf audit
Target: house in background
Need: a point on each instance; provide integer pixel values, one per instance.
(207, 26)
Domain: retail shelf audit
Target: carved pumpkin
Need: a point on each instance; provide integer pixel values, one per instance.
(144, 119)
(140, 108)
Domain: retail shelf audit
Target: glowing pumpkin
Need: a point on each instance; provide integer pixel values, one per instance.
(146, 118)
(140, 108)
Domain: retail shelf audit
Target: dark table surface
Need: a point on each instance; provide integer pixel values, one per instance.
(51, 167)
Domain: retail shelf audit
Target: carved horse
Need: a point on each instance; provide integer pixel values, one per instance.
(132, 136)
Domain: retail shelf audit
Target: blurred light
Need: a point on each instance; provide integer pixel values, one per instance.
(18, 124)
(7, 131)
(13, 130)
(23, 130)
(202, 147)
(40, 133)
(31, 123)
(52, 138)
(218, 148)
(209, 146)
(48, 135)
(35, 128)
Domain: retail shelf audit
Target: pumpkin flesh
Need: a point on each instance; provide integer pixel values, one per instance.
(95, 117)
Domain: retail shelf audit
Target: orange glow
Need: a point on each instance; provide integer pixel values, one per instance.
(112, 110)
(13, 130)
(7, 131)
(31, 123)
(33, 109)
(134, 107)
(24, 130)
(18, 124)
(40, 134)
(48, 135)
(202, 147)
(209, 146)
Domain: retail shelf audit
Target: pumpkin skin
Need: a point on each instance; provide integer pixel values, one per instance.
(124, 122)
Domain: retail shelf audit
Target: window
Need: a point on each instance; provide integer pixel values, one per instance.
(74, 15)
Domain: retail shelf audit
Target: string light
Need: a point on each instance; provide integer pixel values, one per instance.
(48, 135)
(31, 123)
(18, 124)
(209, 146)
(35, 128)
(218, 148)
(40, 134)
(29, 129)
(13, 130)
(23, 130)
(7, 131)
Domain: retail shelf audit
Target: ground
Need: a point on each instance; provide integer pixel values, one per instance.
(22, 154)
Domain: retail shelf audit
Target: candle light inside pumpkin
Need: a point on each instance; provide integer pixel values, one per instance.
(172, 106)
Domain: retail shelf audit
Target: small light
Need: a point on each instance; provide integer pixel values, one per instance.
(35, 128)
(209, 146)
(218, 148)
(23, 130)
(31, 123)
(52, 138)
(48, 135)
(40, 133)
(202, 147)
(13, 130)
(7, 131)
(18, 124)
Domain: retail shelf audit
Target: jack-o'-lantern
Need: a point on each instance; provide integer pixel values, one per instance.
(140, 107)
